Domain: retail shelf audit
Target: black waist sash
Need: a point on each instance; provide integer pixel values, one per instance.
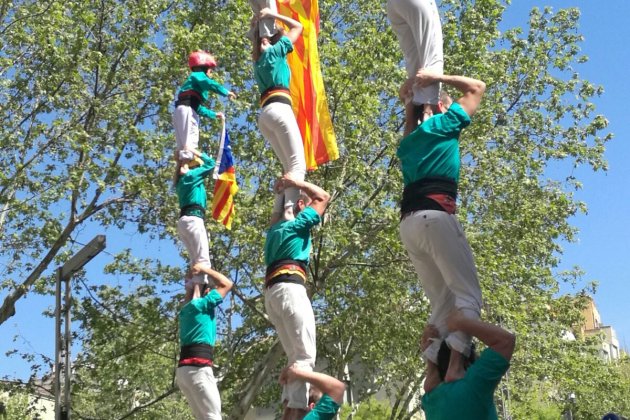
(295, 265)
(192, 210)
(415, 194)
(189, 98)
(196, 351)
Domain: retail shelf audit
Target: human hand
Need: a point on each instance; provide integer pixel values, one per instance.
(284, 182)
(265, 12)
(220, 115)
(288, 374)
(231, 95)
(196, 269)
(429, 333)
(453, 319)
(426, 77)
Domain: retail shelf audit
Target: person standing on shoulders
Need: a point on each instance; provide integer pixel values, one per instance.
(429, 229)
(287, 253)
(197, 336)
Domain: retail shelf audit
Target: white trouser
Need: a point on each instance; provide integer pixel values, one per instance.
(278, 125)
(291, 313)
(186, 123)
(419, 30)
(444, 262)
(192, 232)
(266, 26)
(199, 386)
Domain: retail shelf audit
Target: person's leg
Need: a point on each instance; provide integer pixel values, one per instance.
(199, 386)
(209, 399)
(182, 377)
(301, 323)
(419, 30)
(186, 124)
(397, 14)
(453, 256)
(412, 115)
(429, 44)
(415, 232)
(266, 26)
(295, 323)
(192, 232)
(278, 125)
(274, 301)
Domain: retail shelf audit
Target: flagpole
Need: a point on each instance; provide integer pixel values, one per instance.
(215, 174)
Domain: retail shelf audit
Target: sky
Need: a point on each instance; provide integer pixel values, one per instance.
(603, 246)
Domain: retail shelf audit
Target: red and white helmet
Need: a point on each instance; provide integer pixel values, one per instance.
(201, 58)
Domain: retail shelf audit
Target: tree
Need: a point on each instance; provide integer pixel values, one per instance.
(92, 142)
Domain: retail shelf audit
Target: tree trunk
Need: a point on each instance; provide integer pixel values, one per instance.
(261, 372)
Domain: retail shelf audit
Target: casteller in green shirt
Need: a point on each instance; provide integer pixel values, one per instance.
(191, 189)
(471, 397)
(325, 409)
(432, 149)
(197, 323)
(202, 84)
(272, 69)
(291, 239)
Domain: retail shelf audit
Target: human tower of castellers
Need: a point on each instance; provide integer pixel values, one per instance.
(455, 388)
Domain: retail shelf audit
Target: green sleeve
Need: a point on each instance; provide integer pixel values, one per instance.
(208, 164)
(487, 371)
(204, 111)
(447, 125)
(212, 300)
(207, 84)
(306, 219)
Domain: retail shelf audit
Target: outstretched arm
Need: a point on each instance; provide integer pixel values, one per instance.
(333, 387)
(295, 27)
(472, 89)
(495, 337)
(319, 196)
(222, 283)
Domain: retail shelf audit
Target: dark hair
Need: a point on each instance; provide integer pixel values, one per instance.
(205, 289)
(276, 37)
(444, 357)
(200, 68)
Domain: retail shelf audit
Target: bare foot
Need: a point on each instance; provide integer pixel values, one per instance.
(456, 369)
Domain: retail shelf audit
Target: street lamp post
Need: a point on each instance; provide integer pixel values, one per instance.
(63, 341)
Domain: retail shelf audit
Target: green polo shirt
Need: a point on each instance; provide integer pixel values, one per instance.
(191, 189)
(432, 149)
(202, 84)
(272, 68)
(471, 397)
(197, 324)
(291, 239)
(325, 409)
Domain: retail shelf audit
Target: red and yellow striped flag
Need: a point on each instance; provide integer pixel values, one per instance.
(307, 86)
(225, 186)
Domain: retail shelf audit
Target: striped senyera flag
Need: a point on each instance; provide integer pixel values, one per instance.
(307, 86)
(225, 186)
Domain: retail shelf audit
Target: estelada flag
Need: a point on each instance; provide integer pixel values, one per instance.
(307, 86)
(225, 186)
